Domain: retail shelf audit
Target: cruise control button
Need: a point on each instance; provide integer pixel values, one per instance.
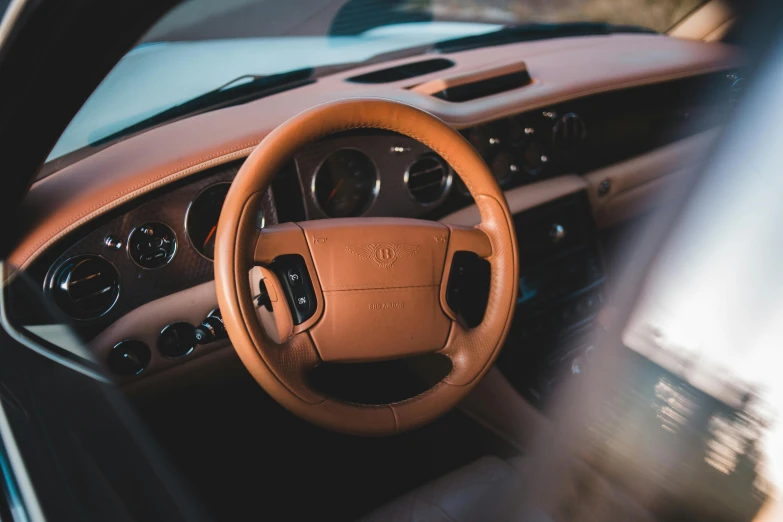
(294, 277)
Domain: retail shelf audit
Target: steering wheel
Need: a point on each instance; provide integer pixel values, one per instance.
(376, 287)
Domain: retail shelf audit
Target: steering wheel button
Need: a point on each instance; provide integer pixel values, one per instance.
(301, 301)
(294, 277)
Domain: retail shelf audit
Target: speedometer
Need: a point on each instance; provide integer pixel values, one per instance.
(346, 183)
(202, 218)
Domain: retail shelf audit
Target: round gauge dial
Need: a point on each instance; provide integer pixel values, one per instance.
(346, 184)
(534, 158)
(504, 167)
(202, 218)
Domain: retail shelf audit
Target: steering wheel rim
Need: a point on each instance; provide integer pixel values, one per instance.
(281, 367)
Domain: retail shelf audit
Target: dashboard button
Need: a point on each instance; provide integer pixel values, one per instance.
(177, 340)
(129, 357)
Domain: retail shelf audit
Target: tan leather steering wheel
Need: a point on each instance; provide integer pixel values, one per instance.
(379, 283)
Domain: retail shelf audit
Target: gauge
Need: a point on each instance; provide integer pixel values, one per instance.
(534, 158)
(485, 139)
(202, 218)
(504, 167)
(346, 184)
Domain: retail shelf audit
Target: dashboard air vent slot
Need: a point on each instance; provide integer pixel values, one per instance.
(478, 84)
(428, 179)
(403, 72)
(483, 88)
(85, 287)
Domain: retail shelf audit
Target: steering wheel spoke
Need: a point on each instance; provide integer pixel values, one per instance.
(283, 260)
(469, 239)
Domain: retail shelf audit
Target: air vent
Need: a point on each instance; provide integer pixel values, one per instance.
(477, 84)
(484, 88)
(403, 72)
(85, 287)
(428, 179)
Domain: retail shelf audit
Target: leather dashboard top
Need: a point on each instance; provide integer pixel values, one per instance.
(561, 69)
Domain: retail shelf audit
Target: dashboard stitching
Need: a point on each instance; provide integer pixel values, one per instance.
(136, 190)
(31, 254)
(548, 100)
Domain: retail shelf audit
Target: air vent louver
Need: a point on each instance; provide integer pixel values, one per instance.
(85, 287)
(483, 88)
(403, 72)
(428, 179)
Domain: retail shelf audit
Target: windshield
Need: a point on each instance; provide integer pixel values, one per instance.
(202, 45)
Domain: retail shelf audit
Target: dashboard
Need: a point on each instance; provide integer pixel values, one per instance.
(160, 244)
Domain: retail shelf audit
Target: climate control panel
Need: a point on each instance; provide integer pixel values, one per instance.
(152, 245)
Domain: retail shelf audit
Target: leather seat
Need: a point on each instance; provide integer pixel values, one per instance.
(491, 489)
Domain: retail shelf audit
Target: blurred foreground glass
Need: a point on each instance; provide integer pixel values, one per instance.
(711, 319)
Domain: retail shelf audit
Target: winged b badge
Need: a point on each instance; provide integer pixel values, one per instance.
(384, 254)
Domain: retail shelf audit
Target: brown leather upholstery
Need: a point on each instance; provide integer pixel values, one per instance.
(563, 69)
(349, 282)
(492, 490)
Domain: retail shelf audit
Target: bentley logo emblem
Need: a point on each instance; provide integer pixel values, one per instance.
(384, 254)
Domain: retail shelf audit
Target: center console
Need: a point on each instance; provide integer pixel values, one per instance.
(561, 287)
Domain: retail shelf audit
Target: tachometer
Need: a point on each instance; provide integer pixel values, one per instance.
(202, 218)
(346, 183)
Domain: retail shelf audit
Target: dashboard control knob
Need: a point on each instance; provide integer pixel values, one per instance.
(211, 329)
(177, 340)
(569, 132)
(112, 242)
(129, 357)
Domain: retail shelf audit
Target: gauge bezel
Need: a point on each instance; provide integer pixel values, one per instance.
(534, 174)
(445, 187)
(49, 288)
(120, 343)
(187, 214)
(169, 259)
(508, 179)
(376, 188)
(175, 357)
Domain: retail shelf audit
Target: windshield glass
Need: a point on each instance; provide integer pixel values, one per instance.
(202, 45)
